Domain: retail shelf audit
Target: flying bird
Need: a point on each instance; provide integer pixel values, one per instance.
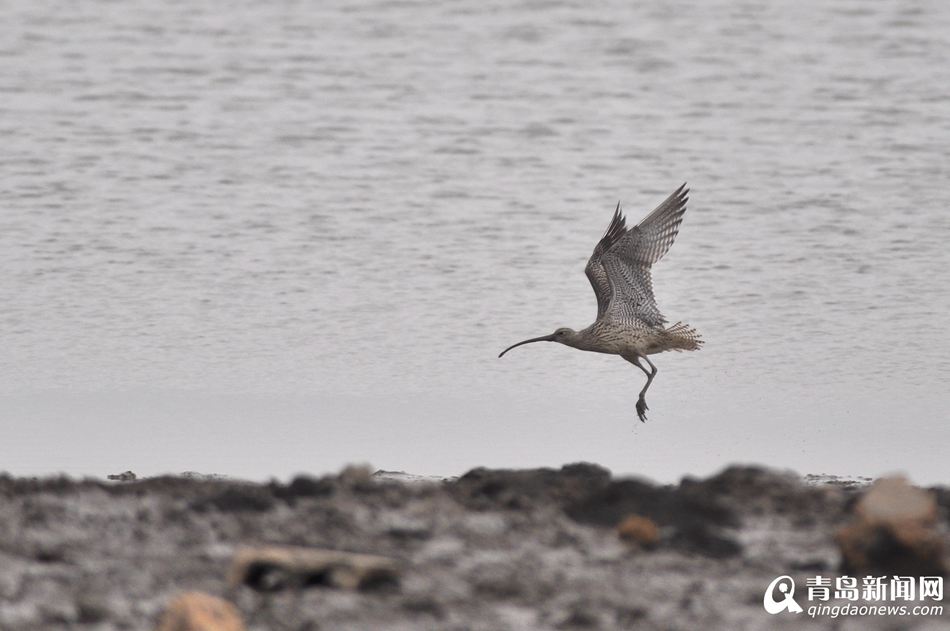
(629, 323)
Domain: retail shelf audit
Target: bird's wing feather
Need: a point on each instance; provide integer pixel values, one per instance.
(595, 271)
(651, 238)
(627, 261)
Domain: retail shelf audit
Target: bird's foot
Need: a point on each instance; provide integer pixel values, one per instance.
(642, 409)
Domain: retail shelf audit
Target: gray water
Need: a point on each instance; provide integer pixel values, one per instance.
(262, 238)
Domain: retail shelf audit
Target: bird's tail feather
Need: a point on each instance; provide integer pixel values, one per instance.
(683, 337)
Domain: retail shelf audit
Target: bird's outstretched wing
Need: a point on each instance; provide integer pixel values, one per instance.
(619, 269)
(595, 271)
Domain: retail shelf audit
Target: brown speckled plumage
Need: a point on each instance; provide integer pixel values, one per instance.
(629, 323)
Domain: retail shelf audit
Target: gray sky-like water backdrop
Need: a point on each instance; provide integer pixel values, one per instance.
(261, 238)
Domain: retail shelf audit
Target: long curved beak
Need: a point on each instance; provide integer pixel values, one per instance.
(543, 338)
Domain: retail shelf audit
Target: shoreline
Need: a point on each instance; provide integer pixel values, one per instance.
(529, 549)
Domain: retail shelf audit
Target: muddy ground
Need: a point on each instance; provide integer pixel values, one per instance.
(492, 550)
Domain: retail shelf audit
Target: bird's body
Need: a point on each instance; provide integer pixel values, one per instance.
(621, 338)
(629, 323)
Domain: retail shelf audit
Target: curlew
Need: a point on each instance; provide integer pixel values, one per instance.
(629, 323)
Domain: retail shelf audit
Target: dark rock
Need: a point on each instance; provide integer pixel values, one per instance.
(665, 505)
(501, 488)
(166, 484)
(303, 487)
(236, 498)
(59, 485)
(757, 491)
(275, 568)
(695, 517)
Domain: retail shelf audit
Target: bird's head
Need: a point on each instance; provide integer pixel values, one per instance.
(563, 335)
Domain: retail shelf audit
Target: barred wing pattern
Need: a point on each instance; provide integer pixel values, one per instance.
(619, 269)
(595, 271)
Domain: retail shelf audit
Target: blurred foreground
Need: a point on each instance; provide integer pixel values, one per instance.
(533, 549)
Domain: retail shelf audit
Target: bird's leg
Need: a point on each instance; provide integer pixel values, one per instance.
(642, 402)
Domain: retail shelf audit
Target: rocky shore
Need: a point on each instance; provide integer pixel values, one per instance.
(573, 548)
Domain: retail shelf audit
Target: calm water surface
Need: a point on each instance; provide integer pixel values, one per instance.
(281, 237)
